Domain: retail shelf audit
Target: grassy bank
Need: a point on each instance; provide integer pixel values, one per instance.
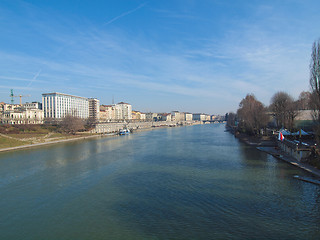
(9, 142)
(19, 135)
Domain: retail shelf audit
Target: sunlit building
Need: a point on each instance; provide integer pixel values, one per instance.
(59, 105)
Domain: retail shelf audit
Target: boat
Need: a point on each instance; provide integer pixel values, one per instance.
(124, 131)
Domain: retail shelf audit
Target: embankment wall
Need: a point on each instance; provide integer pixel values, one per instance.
(116, 127)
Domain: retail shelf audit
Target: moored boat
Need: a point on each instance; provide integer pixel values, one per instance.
(124, 131)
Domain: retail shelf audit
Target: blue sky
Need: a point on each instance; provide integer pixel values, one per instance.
(160, 56)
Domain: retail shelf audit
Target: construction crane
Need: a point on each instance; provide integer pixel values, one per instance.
(20, 96)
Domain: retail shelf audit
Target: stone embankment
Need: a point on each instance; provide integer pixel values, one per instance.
(270, 146)
(277, 153)
(116, 127)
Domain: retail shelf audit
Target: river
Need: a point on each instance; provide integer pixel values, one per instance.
(195, 182)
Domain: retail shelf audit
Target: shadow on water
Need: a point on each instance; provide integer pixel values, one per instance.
(159, 204)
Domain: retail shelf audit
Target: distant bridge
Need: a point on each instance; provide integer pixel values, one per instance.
(213, 121)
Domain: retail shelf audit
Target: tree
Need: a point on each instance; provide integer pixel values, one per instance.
(315, 86)
(71, 124)
(304, 100)
(252, 115)
(315, 79)
(231, 119)
(285, 109)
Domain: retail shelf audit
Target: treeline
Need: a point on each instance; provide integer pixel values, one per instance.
(252, 116)
(68, 125)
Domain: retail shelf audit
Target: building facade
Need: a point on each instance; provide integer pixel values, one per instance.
(189, 116)
(94, 109)
(107, 113)
(123, 111)
(59, 105)
(22, 116)
(178, 116)
(199, 117)
(33, 105)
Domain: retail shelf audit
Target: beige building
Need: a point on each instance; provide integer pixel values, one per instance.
(8, 107)
(138, 116)
(117, 112)
(143, 117)
(22, 116)
(107, 113)
(94, 109)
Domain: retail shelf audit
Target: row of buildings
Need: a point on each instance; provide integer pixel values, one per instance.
(56, 106)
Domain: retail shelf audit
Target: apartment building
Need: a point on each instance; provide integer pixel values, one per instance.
(199, 117)
(123, 111)
(107, 113)
(188, 116)
(94, 109)
(59, 105)
(177, 116)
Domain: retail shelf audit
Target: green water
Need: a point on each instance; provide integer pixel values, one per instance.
(176, 183)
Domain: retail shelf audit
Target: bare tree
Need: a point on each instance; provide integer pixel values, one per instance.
(71, 124)
(285, 109)
(315, 79)
(304, 100)
(252, 115)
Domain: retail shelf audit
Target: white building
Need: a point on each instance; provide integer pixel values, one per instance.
(123, 111)
(60, 105)
(189, 116)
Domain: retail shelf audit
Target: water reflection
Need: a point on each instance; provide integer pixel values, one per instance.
(176, 183)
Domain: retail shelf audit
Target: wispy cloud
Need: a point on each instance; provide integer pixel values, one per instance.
(125, 14)
(34, 78)
(244, 57)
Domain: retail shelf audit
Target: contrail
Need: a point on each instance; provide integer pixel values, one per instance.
(125, 14)
(34, 78)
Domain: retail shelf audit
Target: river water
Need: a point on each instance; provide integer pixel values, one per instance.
(194, 182)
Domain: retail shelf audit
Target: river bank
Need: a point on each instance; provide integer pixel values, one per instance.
(51, 142)
(256, 141)
(269, 145)
(115, 127)
(287, 158)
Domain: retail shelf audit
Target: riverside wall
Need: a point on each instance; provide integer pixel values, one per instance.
(113, 127)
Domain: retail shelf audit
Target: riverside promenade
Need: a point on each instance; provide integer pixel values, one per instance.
(287, 158)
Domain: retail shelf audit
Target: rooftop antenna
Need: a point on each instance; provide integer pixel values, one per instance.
(112, 100)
